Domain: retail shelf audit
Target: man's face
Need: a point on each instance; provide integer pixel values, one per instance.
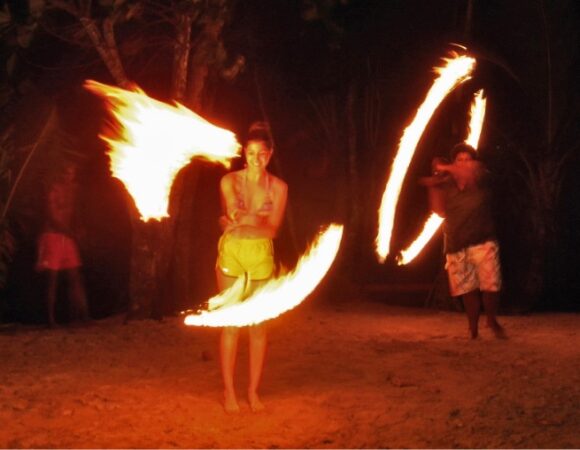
(462, 158)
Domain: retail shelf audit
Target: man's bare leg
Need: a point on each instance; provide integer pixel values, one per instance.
(228, 352)
(472, 303)
(491, 306)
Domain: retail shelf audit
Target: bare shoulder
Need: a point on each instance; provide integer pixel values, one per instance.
(278, 184)
(229, 178)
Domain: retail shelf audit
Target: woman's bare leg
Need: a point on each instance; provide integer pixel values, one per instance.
(257, 343)
(228, 351)
(257, 355)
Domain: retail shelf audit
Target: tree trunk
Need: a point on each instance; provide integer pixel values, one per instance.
(182, 254)
(107, 48)
(208, 52)
(181, 57)
(149, 265)
(549, 88)
(352, 158)
(197, 77)
(353, 180)
(467, 24)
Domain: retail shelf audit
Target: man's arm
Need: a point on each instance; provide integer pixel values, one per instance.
(471, 172)
(436, 192)
(436, 186)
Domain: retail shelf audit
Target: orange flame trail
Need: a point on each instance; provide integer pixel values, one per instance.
(153, 140)
(477, 116)
(429, 229)
(276, 296)
(457, 70)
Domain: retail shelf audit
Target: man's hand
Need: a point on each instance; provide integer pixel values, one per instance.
(439, 173)
(439, 166)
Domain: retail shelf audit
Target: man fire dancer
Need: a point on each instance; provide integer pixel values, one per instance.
(459, 192)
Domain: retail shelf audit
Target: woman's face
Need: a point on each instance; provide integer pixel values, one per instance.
(257, 154)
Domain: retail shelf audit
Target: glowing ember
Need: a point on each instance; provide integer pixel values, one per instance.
(152, 141)
(276, 296)
(456, 71)
(477, 115)
(431, 226)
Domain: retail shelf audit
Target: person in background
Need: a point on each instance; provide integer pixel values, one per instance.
(460, 193)
(57, 248)
(254, 202)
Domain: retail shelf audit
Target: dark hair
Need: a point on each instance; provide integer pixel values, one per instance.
(260, 131)
(462, 147)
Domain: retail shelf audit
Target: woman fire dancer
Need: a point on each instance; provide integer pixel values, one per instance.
(254, 202)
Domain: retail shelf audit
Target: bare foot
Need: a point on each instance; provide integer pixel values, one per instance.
(230, 403)
(498, 330)
(255, 404)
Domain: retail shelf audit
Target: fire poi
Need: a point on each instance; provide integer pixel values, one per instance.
(457, 69)
(151, 141)
(476, 117)
(278, 295)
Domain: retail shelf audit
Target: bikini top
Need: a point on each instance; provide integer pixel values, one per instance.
(241, 192)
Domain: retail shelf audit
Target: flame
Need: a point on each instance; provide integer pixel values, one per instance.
(429, 229)
(276, 296)
(456, 70)
(477, 115)
(153, 141)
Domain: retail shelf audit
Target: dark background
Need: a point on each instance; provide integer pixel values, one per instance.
(338, 84)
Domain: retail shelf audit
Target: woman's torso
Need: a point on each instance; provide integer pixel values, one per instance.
(256, 202)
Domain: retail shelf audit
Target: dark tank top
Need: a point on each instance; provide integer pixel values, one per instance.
(468, 217)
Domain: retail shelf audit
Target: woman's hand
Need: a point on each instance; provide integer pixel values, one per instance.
(225, 222)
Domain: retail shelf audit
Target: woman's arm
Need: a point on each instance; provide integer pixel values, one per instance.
(258, 225)
(231, 211)
(274, 220)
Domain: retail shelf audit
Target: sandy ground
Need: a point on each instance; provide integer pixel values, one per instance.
(348, 375)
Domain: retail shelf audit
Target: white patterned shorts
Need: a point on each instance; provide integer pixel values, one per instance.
(474, 267)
